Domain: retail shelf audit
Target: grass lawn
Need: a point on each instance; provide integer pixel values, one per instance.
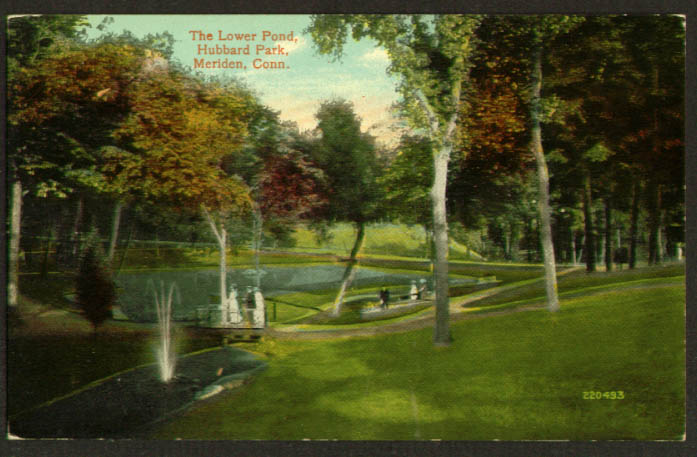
(515, 376)
(580, 280)
(380, 239)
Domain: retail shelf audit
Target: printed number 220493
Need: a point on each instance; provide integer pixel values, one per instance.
(598, 395)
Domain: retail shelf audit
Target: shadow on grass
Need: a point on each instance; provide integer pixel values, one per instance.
(518, 376)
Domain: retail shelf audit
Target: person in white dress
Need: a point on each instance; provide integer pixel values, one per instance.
(259, 309)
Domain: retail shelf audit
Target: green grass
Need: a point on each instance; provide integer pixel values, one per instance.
(380, 239)
(518, 376)
(139, 258)
(511, 377)
(506, 273)
(532, 290)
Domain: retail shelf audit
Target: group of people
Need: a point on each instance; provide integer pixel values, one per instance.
(415, 293)
(253, 305)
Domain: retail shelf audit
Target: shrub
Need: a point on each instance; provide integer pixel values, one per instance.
(95, 289)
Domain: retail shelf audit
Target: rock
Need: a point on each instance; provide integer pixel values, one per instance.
(209, 391)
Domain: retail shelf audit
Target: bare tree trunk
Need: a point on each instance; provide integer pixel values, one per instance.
(73, 239)
(13, 255)
(116, 221)
(125, 248)
(349, 272)
(441, 335)
(507, 243)
(443, 133)
(588, 223)
(634, 225)
(47, 249)
(515, 239)
(619, 238)
(221, 237)
(573, 247)
(608, 234)
(258, 232)
(543, 185)
(654, 221)
(430, 250)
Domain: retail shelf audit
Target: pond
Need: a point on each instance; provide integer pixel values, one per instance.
(201, 287)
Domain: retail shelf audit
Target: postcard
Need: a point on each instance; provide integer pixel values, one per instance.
(360, 227)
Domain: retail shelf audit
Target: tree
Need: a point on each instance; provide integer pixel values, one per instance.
(605, 75)
(656, 45)
(95, 290)
(172, 147)
(488, 179)
(432, 57)
(43, 150)
(532, 37)
(347, 157)
(406, 183)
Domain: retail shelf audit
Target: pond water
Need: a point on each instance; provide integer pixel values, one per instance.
(196, 288)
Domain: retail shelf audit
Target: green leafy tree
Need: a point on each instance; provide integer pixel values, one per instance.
(488, 181)
(530, 38)
(432, 56)
(406, 184)
(347, 157)
(656, 45)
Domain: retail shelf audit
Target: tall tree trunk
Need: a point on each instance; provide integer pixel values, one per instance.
(116, 221)
(125, 248)
(654, 222)
(634, 225)
(442, 133)
(573, 247)
(608, 234)
(430, 249)
(350, 271)
(47, 248)
(588, 222)
(221, 236)
(654, 188)
(74, 236)
(258, 232)
(507, 243)
(543, 185)
(441, 335)
(13, 255)
(515, 239)
(619, 238)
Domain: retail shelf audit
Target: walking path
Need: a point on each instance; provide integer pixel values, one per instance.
(458, 312)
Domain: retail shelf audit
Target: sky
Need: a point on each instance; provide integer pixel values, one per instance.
(296, 90)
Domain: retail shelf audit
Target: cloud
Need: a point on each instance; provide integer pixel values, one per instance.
(293, 46)
(377, 55)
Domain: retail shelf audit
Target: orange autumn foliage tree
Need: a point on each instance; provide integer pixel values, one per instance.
(173, 145)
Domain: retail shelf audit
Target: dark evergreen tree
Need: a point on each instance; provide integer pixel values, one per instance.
(95, 289)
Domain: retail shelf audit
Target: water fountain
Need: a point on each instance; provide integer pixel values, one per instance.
(166, 357)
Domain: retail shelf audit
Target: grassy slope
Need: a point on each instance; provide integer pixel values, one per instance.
(516, 376)
(386, 239)
(579, 280)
